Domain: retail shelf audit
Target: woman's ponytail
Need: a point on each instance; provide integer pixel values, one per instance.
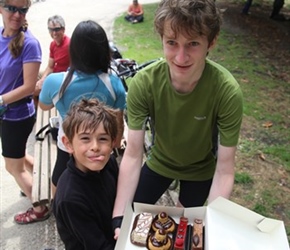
(16, 44)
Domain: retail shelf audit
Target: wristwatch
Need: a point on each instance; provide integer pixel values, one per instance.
(1, 100)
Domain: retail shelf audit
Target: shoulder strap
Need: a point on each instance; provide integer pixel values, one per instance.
(107, 81)
(40, 131)
(103, 76)
(56, 98)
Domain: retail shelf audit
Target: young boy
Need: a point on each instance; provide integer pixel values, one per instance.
(86, 191)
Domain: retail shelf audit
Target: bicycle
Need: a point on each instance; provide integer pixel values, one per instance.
(126, 69)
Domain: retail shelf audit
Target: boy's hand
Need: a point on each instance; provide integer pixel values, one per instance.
(117, 233)
(116, 223)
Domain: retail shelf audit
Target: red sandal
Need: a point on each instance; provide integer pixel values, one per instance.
(31, 216)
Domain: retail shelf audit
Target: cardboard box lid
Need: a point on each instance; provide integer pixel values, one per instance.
(233, 227)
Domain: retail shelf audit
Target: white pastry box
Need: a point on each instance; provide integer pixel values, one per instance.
(228, 226)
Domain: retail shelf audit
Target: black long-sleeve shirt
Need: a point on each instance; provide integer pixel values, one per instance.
(83, 207)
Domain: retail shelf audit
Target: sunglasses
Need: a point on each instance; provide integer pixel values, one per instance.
(55, 29)
(13, 9)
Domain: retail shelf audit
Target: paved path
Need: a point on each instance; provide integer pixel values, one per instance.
(43, 235)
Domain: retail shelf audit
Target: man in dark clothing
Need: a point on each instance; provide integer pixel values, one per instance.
(277, 6)
(86, 191)
(275, 15)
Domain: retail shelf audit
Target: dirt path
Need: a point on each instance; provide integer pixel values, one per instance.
(272, 37)
(267, 188)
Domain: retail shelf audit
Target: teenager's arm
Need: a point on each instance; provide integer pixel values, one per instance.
(223, 179)
(129, 172)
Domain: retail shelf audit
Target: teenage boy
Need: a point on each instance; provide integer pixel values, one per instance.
(188, 97)
(86, 192)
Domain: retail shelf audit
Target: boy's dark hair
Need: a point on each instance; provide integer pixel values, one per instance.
(89, 51)
(87, 115)
(190, 17)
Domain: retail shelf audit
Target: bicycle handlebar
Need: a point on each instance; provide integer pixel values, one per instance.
(126, 72)
(135, 68)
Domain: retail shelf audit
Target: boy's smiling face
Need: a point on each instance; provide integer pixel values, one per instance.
(91, 149)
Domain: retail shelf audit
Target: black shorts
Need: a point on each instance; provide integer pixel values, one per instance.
(151, 186)
(14, 136)
(60, 165)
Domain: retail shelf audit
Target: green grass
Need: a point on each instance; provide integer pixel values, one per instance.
(265, 97)
(243, 178)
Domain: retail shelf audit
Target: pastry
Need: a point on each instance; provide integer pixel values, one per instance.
(141, 229)
(159, 241)
(179, 243)
(197, 235)
(163, 221)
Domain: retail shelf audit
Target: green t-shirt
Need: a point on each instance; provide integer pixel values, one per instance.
(184, 122)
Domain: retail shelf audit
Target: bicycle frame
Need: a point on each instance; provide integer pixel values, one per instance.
(125, 69)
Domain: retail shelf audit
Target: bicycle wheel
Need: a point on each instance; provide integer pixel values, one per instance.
(149, 136)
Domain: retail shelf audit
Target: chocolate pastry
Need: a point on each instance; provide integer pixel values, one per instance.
(197, 235)
(159, 241)
(163, 221)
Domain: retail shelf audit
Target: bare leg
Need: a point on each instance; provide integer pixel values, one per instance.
(21, 175)
(53, 190)
(28, 163)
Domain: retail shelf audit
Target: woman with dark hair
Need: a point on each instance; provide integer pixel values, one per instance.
(20, 55)
(89, 76)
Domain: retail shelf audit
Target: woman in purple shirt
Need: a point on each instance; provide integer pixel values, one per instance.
(20, 55)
